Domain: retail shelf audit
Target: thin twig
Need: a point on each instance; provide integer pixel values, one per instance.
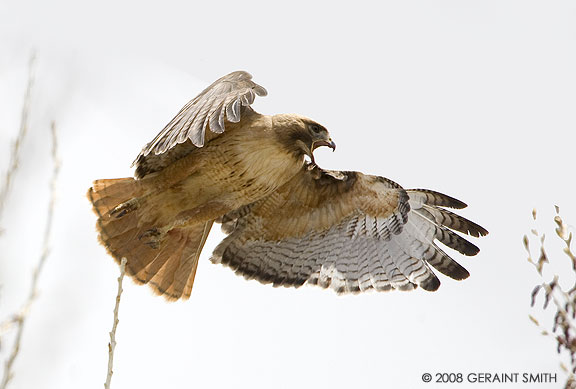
(112, 344)
(20, 318)
(15, 153)
(563, 329)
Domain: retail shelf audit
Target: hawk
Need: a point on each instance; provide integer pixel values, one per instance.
(288, 222)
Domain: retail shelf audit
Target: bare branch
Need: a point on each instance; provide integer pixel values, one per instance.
(15, 153)
(20, 319)
(112, 344)
(564, 326)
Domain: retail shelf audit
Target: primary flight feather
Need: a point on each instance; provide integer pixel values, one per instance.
(288, 221)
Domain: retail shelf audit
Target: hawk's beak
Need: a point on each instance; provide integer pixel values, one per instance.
(328, 143)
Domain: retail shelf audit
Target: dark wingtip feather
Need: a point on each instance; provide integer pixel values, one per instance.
(470, 228)
(439, 199)
(446, 265)
(479, 230)
(431, 284)
(451, 220)
(456, 242)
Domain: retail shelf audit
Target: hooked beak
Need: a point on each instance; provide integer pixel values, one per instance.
(328, 143)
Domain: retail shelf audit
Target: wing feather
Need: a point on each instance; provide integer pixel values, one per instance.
(191, 120)
(448, 219)
(346, 231)
(228, 98)
(430, 197)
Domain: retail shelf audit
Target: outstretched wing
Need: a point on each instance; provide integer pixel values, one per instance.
(348, 231)
(221, 101)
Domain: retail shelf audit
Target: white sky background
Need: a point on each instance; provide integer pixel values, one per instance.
(474, 99)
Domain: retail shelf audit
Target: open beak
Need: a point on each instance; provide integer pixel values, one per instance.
(328, 143)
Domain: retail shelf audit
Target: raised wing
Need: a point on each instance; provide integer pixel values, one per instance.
(348, 231)
(226, 99)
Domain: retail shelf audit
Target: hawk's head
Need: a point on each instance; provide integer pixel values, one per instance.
(301, 135)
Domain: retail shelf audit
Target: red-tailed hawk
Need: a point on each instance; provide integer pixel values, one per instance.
(288, 221)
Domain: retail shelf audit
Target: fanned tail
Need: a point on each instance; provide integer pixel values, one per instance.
(124, 223)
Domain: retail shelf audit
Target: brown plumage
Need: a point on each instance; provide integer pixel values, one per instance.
(288, 221)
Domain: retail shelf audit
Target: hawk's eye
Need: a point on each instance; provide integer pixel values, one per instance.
(315, 128)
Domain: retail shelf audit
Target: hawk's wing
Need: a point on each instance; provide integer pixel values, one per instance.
(221, 101)
(348, 231)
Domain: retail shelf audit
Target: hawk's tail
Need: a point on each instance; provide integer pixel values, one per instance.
(125, 224)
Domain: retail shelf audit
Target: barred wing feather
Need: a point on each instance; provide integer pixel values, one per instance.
(228, 98)
(346, 231)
